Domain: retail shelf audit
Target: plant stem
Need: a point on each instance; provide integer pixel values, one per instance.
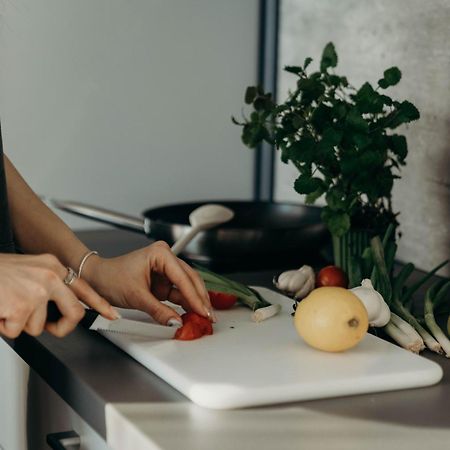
(403, 339)
(429, 340)
(408, 329)
(434, 327)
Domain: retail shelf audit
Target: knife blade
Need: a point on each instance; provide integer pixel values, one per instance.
(92, 320)
(132, 327)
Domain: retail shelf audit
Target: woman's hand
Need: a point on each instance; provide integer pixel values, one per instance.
(27, 283)
(143, 278)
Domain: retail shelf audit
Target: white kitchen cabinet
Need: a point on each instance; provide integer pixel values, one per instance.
(13, 382)
(30, 409)
(49, 414)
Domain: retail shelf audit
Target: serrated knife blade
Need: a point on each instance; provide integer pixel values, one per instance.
(92, 320)
(133, 327)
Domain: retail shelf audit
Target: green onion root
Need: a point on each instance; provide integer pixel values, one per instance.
(403, 339)
(434, 327)
(409, 330)
(429, 340)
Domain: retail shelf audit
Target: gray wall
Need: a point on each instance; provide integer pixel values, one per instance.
(127, 103)
(371, 36)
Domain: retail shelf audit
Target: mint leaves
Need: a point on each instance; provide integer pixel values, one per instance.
(339, 138)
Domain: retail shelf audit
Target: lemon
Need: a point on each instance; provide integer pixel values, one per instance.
(332, 319)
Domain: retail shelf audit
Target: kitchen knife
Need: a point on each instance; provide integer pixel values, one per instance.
(92, 320)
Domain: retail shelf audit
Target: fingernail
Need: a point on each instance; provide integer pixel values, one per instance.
(211, 314)
(115, 314)
(174, 323)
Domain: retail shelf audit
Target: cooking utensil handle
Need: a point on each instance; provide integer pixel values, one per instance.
(180, 245)
(102, 215)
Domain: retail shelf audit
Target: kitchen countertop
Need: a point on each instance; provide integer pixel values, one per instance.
(86, 370)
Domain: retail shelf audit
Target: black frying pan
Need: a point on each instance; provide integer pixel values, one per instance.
(261, 234)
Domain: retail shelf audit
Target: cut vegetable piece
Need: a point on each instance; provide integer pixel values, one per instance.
(194, 327)
(202, 323)
(188, 332)
(265, 313)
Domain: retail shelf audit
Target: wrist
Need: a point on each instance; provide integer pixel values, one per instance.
(88, 266)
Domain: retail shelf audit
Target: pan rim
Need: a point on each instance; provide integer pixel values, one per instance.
(228, 201)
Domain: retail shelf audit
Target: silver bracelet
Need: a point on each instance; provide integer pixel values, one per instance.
(83, 261)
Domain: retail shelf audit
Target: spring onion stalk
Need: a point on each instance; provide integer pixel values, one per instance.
(429, 340)
(264, 313)
(432, 298)
(402, 338)
(407, 296)
(380, 276)
(248, 297)
(417, 343)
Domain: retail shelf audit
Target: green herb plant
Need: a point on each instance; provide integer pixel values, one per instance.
(339, 138)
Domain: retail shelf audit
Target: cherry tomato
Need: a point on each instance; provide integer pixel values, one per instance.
(221, 300)
(332, 276)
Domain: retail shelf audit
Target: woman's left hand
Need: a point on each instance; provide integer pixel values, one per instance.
(144, 278)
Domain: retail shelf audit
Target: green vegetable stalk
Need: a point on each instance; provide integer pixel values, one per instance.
(434, 297)
(247, 296)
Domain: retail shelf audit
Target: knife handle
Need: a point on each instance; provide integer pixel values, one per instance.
(54, 314)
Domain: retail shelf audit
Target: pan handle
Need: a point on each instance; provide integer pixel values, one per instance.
(103, 215)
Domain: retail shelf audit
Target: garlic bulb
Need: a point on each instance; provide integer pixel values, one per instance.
(296, 283)
(377, 309)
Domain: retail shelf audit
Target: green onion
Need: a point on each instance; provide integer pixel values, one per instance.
(429, 340)
(402, 338)
(433, 297)
(412, 341)
(246, 296)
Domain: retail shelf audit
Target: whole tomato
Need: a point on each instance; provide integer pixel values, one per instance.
(332, 276)
(221, 300)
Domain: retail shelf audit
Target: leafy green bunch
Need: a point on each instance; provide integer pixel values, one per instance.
(340, 140)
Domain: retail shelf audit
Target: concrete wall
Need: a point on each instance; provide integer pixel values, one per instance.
(127, 103)
(371, 36)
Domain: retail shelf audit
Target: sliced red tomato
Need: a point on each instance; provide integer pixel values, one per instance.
(221, 300)
(188, 332)
(194, 327)
(203, 323)
(332, 276)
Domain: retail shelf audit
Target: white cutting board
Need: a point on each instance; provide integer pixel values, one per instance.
(248, 364)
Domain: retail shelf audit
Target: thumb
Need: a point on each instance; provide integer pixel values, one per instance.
(162, 313)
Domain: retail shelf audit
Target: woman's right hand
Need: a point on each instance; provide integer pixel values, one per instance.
(29, 282)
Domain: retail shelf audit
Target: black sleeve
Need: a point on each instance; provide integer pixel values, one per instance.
(6, 235)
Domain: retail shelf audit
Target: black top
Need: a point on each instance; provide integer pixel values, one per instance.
(6, 235)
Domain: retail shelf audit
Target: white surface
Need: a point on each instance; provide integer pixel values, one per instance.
(126, 104)
(175, 426)
(265, 363)
(13, 397)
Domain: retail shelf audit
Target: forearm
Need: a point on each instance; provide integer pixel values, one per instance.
(36, 228)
